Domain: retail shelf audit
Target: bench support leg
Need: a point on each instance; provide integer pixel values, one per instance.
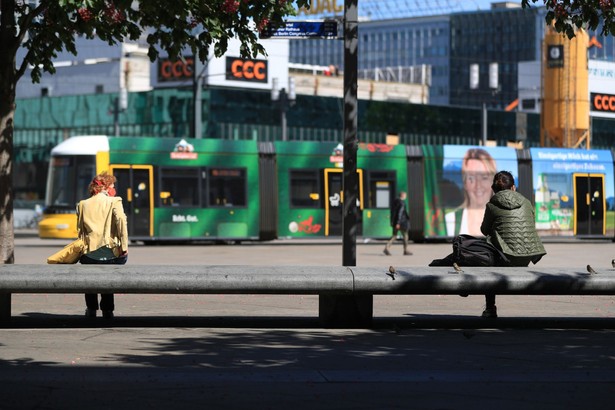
(5, 307)
(346, 311)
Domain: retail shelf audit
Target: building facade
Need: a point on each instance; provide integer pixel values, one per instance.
(390, 44)
(486, 48)
(474, 56)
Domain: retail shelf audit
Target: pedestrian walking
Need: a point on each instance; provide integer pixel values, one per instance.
(400, 222)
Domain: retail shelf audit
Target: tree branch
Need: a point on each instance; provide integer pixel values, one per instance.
(23, 29)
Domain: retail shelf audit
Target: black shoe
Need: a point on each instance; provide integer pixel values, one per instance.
(490, 312)
(108, 314)
(90, 312)
(386, 252)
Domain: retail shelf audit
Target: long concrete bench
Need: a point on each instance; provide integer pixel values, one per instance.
(346, 293)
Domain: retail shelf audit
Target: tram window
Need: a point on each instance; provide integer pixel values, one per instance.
(227, 187)
(69, 179)
(381, 189)
(304, 189)
(86, 170)
(180, 187)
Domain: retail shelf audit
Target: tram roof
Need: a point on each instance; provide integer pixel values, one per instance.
(82, 145)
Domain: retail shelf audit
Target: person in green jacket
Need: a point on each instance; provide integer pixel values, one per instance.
(509, 224)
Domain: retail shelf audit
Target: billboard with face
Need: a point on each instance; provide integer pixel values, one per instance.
(458, 182)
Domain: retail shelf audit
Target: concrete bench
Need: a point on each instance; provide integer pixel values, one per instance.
(345, 293)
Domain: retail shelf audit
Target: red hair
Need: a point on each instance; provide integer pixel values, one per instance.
(101, 182)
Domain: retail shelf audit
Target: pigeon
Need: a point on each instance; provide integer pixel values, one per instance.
(457, 268)
(591, 270)
(391, 272)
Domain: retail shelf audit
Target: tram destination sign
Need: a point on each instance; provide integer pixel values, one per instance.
(302, 29)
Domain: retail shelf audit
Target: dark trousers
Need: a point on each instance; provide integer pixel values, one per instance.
(106, 299)
(404, 233)
(490, 297)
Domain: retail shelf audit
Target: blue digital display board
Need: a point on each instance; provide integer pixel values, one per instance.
(302, 29)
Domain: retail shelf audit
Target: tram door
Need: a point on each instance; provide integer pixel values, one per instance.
(334, 199)
(135, 186)
(589, 204)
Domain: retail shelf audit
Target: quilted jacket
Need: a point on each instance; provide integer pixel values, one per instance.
(510, 226)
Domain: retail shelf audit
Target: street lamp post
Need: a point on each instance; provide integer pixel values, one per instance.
(120, 104)
(199, 77)
(356, 309)
(283, 100)
(494, 87)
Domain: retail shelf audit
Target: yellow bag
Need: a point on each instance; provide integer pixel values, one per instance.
(69, 254)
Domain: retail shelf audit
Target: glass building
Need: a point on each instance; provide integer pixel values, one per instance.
(483, 42)
(408, 42)
(485, 50)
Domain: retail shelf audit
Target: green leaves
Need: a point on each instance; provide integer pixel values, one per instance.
(568, 16)
(173, 26)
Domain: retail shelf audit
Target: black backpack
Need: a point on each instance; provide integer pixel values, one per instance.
(471, 251)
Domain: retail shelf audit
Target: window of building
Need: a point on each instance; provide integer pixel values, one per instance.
(226, 187)
(179, 187)
(529, 104)
(304, 188)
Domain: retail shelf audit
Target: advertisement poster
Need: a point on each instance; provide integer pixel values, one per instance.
(573, 191)
(458, 186)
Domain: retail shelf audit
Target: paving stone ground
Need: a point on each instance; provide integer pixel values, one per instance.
(269, 352)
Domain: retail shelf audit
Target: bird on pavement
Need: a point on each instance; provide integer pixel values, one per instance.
(391, 272)
(591, 270)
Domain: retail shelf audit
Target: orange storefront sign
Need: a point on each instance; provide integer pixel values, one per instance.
(239, 69)
(602, 102)
(178, 70)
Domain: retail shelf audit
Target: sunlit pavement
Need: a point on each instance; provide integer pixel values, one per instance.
(254, 351)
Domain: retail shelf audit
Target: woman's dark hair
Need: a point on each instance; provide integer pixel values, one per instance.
(502, 180)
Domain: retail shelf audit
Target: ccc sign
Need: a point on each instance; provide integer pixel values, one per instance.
(603, 102)
(178, 70)
(239, 69)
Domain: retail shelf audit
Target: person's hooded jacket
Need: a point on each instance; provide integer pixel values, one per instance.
(510, 226)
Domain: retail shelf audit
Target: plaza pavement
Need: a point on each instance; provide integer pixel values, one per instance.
(269, 352)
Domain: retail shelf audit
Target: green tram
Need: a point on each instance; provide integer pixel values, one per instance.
(223, 190)
(236, 190)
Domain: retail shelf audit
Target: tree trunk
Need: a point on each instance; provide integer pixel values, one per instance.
(7, 234)
(8, 81)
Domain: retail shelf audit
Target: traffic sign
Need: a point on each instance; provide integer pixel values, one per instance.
(302, 29)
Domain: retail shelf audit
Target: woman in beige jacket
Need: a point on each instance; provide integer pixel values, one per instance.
(101, 223)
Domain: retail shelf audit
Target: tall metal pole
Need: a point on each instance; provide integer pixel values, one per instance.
(350, 217)
(198, 98)
(116, 116)
(198, 87)
(283, 108)
(349, 310)
(484, 124)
